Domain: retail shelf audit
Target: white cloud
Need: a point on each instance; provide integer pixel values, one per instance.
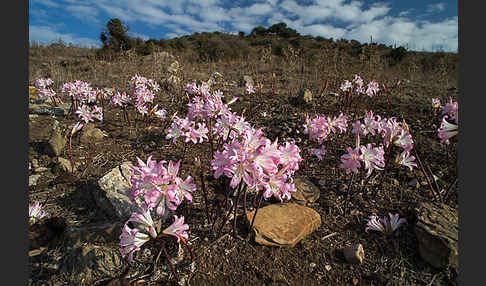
(433, 8)
(87, 14)
(47, 35)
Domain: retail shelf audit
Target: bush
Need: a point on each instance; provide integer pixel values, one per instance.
(396, 55)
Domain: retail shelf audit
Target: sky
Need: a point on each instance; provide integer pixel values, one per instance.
(415, 24)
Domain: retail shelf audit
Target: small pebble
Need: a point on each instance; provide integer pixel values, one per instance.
(354, 254)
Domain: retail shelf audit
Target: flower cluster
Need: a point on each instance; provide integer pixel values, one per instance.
(142, 91)
(260, 163)
(80, 91)
(43, 89)
(203, 108)
(247, 155)
(372, 88)
(320, 127)
(450, 120)
(391, 131)
(155, 188)
(384, 225)
(36, 213)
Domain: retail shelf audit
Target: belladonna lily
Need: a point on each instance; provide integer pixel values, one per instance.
(447, 130)
(178, 229)
(384, 225)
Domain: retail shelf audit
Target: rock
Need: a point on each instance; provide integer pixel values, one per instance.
(33, 179)
(44, 109)
(305, 95)
(437, 234)
(91, 134)
(246, 79)
(354, 254)
(113, 193)
(283, 224)
(35, 163)
(89, 263)
(174, 67)
(306, 191)
(105, 232)
(41, 169)
(214, 79)
(65, 164)
(56, 141)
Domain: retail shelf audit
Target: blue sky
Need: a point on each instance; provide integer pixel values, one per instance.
(422, 25)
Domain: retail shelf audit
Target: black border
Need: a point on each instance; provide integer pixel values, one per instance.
(15, 46)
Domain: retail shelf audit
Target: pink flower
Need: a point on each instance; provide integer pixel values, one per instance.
(351, 160)
(447, 130)
(76, 127)
(451, 109)
(372, 88)
(405, 159)
(249, 88)
(373, 158)
(131, 240)
(318, 152)
(85, 113)
(384, 225)
(436, 103)
(144, 219)
(346, 85)
(178, 228)
(36, 212)
(404, 140)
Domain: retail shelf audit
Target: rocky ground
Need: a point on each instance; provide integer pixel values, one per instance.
(319, 240)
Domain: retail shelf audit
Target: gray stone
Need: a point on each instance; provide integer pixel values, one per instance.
(33, 179)
(215, 78)
(283, 224)
(305, 95)
(56, 141)
(306, 192)
(354, 254)
(174, 67)
(44, 109)
(113, 193)
(89, 263)
(437, 234)
(90, 134)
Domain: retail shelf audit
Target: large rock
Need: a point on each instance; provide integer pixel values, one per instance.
(306, 191)
(174, 67)
(283, 224)
(45, 109)
(90, 134)
(56, 141)
(437, 234)
(113, 193)
(89, 263)
(215, 78)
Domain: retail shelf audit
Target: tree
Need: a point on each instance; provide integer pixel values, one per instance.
(258, 31)
(115, 36)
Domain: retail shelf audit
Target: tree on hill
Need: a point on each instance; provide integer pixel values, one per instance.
(115, 36)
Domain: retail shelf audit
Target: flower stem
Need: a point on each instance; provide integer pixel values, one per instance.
(71, 153)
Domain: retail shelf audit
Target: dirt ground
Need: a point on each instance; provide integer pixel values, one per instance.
(225, 260)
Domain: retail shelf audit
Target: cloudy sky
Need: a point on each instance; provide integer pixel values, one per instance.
(420, 25)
